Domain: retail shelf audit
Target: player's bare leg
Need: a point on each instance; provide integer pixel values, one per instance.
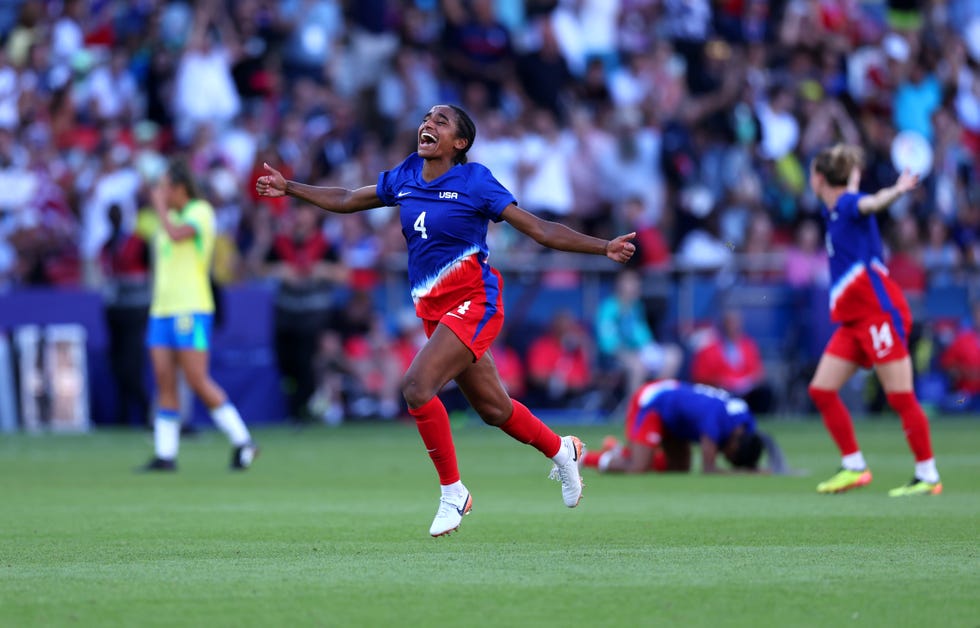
(194, 364)
(831, 374)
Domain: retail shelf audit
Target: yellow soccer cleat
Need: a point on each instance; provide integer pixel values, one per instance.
(917, 487)
(845, 480)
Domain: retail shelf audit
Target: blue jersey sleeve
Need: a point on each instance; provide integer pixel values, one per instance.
(493, 197)
(390, 181)
(847, 206)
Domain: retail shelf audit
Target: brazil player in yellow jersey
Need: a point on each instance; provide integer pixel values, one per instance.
(181, 312)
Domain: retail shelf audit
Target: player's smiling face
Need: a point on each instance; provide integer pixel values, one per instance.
(438, 134)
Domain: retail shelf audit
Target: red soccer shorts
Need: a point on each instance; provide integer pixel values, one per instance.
(472, 323)
(871, 340)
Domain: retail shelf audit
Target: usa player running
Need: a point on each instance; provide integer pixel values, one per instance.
(445, 207)
(874, 321)
(666, 417)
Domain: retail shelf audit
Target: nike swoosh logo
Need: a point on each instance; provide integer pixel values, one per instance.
(401, 194)
(429, 451)
(454, 315)
(462, 510)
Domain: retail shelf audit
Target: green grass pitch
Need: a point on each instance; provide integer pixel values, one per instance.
(330, 529)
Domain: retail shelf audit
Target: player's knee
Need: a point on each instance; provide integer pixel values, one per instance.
(494, 412)
(415, 392)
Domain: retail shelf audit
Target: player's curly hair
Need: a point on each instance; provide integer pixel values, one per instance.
(837, 162)
(466, 129)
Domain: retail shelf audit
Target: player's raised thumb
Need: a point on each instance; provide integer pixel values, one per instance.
(269, 168)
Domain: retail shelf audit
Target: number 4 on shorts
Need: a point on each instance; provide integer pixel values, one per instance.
(462, 308)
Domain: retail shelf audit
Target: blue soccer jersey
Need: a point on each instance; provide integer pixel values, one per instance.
(860, 286)
(686, 411)
(444, 222)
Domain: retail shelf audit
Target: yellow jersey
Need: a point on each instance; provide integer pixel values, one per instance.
(181, 282)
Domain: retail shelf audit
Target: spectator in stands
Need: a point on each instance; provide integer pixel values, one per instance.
(626, 342)
(477, 46)
(560, 363)
(510, 366)
(730, 360)
(204, 89)
(307, 269)
(940, 257)
(806, 258)
(905, 264)
(961, 363)
(125, 266)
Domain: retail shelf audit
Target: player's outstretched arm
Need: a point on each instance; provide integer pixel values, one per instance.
(639, 460)
(884, 197)
(557, 236)
(337, 200)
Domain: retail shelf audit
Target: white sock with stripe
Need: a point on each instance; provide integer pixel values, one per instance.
(228, 420)
(166, 434)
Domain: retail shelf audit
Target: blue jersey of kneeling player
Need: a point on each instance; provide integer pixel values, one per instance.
(444, 222)
(690, 411)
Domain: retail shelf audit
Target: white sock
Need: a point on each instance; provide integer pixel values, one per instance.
(564, 454)
(166, 434)
(926, 471)
(854, 462)
(226, 417)
(456, 489)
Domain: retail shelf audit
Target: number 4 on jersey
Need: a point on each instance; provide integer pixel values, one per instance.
(420, 226)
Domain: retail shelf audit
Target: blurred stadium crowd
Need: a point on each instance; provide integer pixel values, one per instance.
(689, 121)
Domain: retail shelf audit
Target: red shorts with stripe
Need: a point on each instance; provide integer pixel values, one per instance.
(474, 321)
(872, 339)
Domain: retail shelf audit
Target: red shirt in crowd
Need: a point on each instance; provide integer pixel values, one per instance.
(547, 357)
(735, 366)
(962, 361)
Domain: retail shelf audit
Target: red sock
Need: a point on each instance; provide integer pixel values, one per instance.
(591, 458)
(527, 428)
(914, 422)
(836, 418)
(432, 422)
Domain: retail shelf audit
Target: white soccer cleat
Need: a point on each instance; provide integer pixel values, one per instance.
(450, 513)
(568, 473)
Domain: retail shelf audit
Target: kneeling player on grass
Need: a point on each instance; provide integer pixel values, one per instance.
(665, 417)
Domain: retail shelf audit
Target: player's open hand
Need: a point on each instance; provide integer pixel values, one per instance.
(906, 182)
(272, 184)
(621, 249)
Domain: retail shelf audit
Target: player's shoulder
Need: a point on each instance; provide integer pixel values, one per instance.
(474, 170)
(411, 163)
(848, 203)
(199, 206)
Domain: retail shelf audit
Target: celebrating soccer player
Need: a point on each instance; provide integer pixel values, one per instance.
(874, 317)
(179, 331)
(445, 207)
